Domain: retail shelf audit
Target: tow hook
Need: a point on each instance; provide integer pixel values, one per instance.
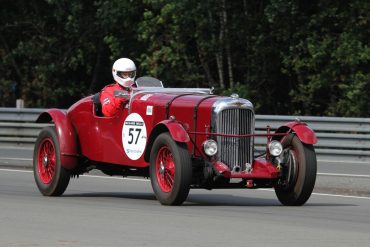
(249, 184)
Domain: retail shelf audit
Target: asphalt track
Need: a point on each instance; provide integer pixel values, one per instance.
(339, 177)
(110, 211)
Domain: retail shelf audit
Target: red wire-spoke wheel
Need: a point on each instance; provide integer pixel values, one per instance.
(165, 169)
(50, 176)
(170, 170)
(299, 170)
(46, 161)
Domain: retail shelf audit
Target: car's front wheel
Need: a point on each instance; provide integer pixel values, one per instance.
(170, 170)
(299, 172)
(51, 178)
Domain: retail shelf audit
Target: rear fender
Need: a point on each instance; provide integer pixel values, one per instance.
(176, 130)
(304, 133)
(69, 151)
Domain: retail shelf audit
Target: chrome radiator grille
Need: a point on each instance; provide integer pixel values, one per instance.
(235, 151)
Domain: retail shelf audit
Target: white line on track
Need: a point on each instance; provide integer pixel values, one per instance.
(344, 161)
(147, 180)
(331, 195)
(326, 161)
(319, 160)
(19, 159)
(15, 170)
(90, 176)
(319, 173)
(343, 175)
(342, 196)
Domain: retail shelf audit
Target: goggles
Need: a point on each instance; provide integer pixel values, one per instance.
(126, 74)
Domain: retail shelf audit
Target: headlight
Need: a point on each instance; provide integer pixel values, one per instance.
(210, 147)
(275, 148)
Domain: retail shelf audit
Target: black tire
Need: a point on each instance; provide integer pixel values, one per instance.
(299, 177)
(168, 157)
(51, 177)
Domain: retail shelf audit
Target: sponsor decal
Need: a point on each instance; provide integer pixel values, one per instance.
(106, 101)
(146, 96)
(134, 136)
(149, 110)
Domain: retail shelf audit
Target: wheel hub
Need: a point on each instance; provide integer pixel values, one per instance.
(45, 161)
(290, 170)
(161, 168)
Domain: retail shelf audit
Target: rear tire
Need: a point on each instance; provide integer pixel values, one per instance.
(170, 170)
(299, 174)
(51, 177)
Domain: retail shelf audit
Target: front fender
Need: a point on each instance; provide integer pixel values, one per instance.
(176, 130)
(304, 133)
(69, 151)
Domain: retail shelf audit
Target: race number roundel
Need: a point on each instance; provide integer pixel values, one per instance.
(134, 136)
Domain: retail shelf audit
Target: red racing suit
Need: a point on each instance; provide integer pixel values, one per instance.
(111, 103)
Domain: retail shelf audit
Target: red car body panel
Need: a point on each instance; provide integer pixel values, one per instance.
(304, 133)
(100, 137)
(176, 130)
(260, 169)
(68, 144)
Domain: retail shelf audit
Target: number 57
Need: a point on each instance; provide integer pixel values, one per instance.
(131, 135)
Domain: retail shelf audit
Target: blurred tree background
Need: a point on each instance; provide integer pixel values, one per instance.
(287, 57)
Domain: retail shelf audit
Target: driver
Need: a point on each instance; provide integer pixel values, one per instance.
(114, 96)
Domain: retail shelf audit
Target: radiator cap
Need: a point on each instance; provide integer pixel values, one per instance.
(234, 96)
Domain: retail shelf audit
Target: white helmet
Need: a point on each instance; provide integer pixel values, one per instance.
(124, 72)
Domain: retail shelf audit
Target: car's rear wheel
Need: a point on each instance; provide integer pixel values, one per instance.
(170, 170)
(299, 172)
(51, 178)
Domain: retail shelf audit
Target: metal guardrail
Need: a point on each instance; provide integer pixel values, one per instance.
(340, 139)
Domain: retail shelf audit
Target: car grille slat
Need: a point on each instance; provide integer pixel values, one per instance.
(235, 151)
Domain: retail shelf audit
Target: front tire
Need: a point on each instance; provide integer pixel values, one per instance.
(51, 177)
(299, 172)
(170, 170)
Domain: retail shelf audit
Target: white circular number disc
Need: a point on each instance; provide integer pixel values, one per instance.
(134, 136)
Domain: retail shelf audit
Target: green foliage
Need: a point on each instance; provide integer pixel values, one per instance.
(164, 30)
(288, 57)
(244, 91)
(331, 64)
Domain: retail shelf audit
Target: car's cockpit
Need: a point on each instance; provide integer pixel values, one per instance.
(140, 83)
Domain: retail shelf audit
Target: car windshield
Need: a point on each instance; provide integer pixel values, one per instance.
(148, 81)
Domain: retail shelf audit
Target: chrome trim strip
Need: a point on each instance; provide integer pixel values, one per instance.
(228, 103)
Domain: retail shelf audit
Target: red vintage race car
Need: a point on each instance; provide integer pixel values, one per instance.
(180, 138)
